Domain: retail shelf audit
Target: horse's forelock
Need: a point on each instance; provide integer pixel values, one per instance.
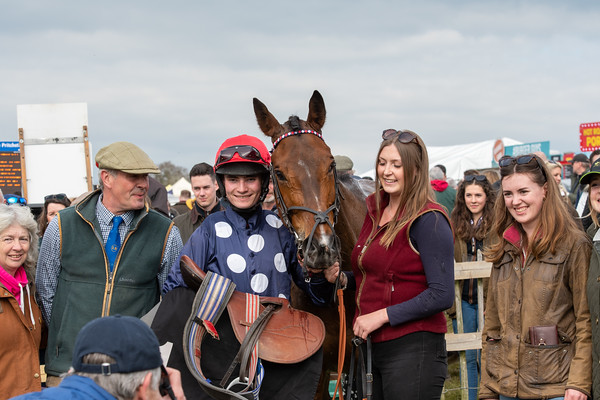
(294, 122)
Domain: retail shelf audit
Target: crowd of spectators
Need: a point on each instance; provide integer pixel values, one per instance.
(116, 251)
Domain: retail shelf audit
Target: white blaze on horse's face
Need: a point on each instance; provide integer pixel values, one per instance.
(322, 233)
(306, 168)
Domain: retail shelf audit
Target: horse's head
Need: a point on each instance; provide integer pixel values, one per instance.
(304, 181)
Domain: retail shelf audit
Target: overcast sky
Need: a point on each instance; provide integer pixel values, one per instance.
(178, 77)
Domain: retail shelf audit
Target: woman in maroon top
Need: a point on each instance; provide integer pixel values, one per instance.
(403, 268)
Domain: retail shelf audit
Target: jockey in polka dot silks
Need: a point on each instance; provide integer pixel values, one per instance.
(245, 243)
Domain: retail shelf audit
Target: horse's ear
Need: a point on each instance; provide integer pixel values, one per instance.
(316, 111)
(266, 121)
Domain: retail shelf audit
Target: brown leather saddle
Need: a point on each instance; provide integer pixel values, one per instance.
(289, 336)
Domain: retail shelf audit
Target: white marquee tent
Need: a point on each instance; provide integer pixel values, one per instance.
(175, 189)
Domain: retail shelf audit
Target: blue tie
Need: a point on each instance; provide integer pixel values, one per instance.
(113, 244)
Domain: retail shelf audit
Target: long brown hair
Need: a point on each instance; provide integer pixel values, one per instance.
(555, 224)
(417, 189)
(461, 215)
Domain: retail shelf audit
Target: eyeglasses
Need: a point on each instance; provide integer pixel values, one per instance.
(403, 136)
(521, 160)
(480, 178)
(51, 197)
(14, 199)
(246, 152)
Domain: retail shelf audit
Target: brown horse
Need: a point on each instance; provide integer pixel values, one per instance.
(310, 199)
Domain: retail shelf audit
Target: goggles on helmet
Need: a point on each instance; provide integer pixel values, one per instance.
(246, 152)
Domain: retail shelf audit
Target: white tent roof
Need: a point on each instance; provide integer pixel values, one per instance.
(175, 189)
(459, 158)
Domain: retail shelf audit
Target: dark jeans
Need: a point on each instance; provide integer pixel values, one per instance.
(412, 367)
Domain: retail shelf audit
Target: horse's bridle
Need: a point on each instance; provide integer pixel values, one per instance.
(321, 217)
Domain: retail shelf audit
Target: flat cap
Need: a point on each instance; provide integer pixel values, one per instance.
(343, 163)
(126, 157)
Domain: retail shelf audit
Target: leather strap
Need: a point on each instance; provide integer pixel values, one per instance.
(363, 372)
(248, 345)
(341, 343)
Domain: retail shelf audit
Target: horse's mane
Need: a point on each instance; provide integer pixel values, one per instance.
(346, 178)
(362, 186)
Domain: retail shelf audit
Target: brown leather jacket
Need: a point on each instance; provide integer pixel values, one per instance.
(548, 291)
(19, 345)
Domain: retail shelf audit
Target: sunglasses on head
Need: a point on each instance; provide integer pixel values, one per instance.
(402, 136)
(51, 197)
(14, 199)
(246, 152)
(479, 178)
(521, 160)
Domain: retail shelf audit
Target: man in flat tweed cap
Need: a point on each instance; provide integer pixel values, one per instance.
(109, 254)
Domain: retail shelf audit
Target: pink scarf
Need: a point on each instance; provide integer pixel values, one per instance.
(12, 283)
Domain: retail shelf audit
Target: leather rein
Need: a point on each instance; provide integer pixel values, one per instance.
(321, 217)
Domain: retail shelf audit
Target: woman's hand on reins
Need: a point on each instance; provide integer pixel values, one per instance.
(331, 273)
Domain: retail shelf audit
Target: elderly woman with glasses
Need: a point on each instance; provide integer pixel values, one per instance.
(53, 203)
(537, 331)
(403, 270)
(472, 220)
(20, 316)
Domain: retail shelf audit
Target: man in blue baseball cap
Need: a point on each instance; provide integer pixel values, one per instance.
(115, 357)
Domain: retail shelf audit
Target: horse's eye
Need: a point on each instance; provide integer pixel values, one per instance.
(280, 175)
(332, 167)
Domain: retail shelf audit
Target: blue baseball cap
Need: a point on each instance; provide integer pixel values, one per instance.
(126, 339)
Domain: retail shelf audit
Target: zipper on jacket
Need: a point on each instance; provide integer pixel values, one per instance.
(360, 267)
(110, 282)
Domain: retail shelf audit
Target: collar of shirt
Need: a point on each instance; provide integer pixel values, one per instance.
(105, 218)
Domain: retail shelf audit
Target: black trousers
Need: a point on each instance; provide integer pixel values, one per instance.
(412, 367)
